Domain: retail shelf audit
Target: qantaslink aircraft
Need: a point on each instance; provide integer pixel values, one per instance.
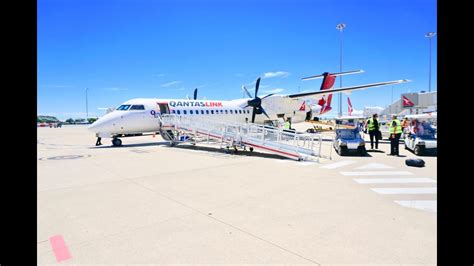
(140, 115)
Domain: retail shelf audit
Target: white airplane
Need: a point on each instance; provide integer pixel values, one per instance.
(141, 115)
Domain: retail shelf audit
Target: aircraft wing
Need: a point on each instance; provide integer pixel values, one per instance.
(346, 89)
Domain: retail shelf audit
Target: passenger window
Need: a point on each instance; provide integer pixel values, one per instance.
(225, 111)
(202, 112)
(184, 112)
(240, 111)
(137, 107)
(179, 112)
(212, 111)
(230, 111)
(191, 112)
(123, 107)
(222, 111)
(173, 112)
(207, 112)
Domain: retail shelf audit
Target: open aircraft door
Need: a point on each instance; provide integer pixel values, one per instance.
(164, 108)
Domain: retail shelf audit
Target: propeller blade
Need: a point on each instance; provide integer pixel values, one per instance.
(267, 96)
(195, 93)
(246, 106)
(253, 114)
(265, 113)
(246, 91)
(256, 87)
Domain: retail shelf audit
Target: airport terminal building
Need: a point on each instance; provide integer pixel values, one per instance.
(412, 103)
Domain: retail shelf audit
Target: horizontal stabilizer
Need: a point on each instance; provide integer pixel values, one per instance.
(353, 88)
(335, 74)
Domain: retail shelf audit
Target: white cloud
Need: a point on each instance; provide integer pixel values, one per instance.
(158, 75)
(171, 83)
(282, 74)
(274, 91)
(239, 75)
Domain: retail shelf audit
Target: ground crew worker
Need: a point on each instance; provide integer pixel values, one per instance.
(287, 125)
(405, 126)
(98, 143)
(395, 133)
(373, 128)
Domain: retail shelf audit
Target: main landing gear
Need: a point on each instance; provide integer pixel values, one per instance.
(116, 142)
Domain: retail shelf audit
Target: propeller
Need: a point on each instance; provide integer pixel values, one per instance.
(256, 102)
(195, 93)
(246, 91)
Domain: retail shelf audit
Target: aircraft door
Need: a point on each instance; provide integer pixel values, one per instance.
(164, 108)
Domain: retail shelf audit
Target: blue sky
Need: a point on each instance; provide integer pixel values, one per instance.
(127, 49)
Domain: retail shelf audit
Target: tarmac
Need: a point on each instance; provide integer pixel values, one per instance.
(149, 203)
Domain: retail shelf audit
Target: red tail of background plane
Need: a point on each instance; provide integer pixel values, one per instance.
(349, 106)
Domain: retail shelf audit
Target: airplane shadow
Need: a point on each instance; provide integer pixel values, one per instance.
(160, 143)
(230, 151)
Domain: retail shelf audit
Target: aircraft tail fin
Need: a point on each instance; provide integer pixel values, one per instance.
(334, 74)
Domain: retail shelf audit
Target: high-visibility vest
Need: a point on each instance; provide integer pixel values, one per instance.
(371, 124)
(397, 128)
(286, 125)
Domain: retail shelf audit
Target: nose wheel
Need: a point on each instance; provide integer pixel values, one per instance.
(116, 142)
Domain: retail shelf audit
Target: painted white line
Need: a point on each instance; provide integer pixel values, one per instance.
(374, 166)
(363, 173)
(405, 190)
(401, 180)
(426, 205)
(338, 164)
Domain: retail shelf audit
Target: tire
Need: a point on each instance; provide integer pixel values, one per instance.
(341, 151)
(116, 142)
(418, 150)
(251, 149)
(362, 151)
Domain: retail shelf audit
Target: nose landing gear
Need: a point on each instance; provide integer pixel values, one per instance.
(116, 142)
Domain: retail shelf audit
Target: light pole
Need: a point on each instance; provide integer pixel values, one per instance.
(340, 27)
(391, 103)
(87, 106)
(430, 35)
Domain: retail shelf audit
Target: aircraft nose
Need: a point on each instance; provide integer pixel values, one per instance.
(100, 126)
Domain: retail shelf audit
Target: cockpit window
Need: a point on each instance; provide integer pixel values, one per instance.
(137, 107)
(123, 107)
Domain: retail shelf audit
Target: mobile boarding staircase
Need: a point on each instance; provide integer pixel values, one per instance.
(298, 146)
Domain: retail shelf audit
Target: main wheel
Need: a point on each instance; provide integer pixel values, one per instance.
(251, 149)
(116, 142)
